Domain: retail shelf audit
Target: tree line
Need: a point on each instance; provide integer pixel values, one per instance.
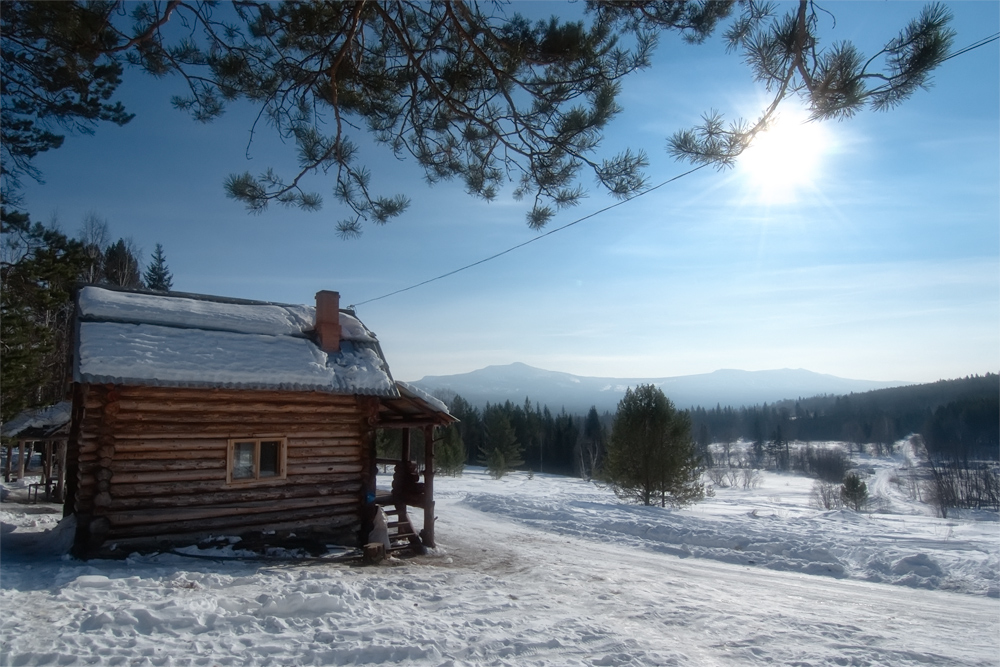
(40, 267)
(644, 451)
(956, 419)
(650, 452)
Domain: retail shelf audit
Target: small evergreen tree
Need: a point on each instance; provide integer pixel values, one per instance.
(777, 449)
(854, 492)
(449, 452)
(500, 451)
(158, 276)
(651, 455)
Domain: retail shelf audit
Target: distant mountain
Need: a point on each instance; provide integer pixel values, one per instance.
(514, 382)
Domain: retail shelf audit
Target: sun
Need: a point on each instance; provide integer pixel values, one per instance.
(786, 159)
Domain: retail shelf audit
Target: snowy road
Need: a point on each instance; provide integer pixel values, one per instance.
(612, 605)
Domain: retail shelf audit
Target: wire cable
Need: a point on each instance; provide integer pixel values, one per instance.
(983, 42)
(975, 45)
(529, 241)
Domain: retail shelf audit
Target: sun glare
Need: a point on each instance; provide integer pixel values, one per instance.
(785, 160)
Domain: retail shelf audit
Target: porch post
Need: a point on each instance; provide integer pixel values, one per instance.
(428, 532)
(47, 469)
(20, 460)
(404, 452)
(61, 478)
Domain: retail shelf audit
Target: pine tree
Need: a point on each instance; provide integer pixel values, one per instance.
(500, 452)
(449, 452)
(38, 269)
(158, 277)
(777, 449)
(854, 492)
(121, 267)
(651, 456)
(471, 91)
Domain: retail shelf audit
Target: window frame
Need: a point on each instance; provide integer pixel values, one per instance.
(256, 479)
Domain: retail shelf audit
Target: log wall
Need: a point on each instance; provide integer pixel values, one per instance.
(151, 464)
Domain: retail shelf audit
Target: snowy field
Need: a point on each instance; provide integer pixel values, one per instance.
(540, 571)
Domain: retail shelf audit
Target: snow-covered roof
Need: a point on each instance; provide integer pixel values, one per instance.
(40, 421)
(201, 341)
(412, 391)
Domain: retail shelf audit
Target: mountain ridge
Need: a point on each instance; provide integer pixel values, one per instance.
(577, 393)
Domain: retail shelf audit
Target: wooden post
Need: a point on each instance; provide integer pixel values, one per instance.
(428, 531)
(404, 453)
(61, 475)
(20, 460)
(368, 408)
(7, 466)
(47, 469)
(70, 473)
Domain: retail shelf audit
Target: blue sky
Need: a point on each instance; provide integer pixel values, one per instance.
(883, 265)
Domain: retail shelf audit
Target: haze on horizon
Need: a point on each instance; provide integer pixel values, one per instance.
(871, 251)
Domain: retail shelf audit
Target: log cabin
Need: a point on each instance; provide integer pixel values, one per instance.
(197, 416)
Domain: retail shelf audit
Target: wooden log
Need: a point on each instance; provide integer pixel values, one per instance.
(165, 465)
(194, 442)
(172, 454)
(148, 489)
(173, 476)
(238, 522)
(339, 448)
(209, 394)
(301, 442)
(232, 430)
(341, 524)
(231, 417)
(123, 438)
(237, 406)
(323, 460)
(277, 494)
(177, 514)
(321, 469)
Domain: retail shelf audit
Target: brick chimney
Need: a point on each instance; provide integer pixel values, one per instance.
(328, 320)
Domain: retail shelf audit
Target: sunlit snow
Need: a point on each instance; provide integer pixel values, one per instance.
(541, 570)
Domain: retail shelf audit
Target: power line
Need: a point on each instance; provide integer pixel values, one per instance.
(537, 238)
(983, 42)
(975, 45)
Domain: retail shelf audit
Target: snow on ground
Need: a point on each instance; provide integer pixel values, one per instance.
(539, 570)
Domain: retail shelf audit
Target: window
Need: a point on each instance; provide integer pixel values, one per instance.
(256, 459)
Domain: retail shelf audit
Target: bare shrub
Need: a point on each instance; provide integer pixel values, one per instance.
(718, 477)
(826, 495)
(749, 478)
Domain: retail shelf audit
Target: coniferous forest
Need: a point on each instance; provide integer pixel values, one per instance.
(957, 419)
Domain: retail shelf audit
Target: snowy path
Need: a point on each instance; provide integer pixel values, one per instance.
(543, 571)
(616, 605)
